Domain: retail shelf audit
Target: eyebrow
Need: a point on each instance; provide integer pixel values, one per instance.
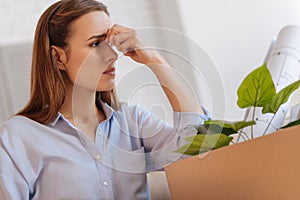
(97, 36)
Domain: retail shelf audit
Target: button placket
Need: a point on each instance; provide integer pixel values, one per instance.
(106, 183)
(97, 157)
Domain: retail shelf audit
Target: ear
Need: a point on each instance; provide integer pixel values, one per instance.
(59, 57)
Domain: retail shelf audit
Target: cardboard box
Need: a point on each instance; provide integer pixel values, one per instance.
(260, 169)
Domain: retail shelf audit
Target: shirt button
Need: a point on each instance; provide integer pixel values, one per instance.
(97, 157)
(106, 183)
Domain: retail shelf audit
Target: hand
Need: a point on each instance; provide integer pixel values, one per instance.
(127, 42)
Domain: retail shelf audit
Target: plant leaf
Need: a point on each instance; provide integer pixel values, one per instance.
(257, 89)
(226, 127)
(202, 143)
(201, 129)
(293, 123)
(280, 98)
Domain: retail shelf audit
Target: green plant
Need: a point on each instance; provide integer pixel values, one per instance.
(256, 90)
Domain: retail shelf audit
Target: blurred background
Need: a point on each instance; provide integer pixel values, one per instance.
(231, 37)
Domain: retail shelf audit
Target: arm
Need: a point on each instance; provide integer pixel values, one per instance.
(160, 139)
(12, 184)
(179, 96)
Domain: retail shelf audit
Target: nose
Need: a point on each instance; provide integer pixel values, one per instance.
(109, 54)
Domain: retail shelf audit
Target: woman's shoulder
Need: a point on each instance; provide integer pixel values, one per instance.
(137, 113)
(17, 119)
(16, 124)
(133, 109)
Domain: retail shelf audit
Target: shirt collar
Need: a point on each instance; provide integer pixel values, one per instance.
(56, 118)
(108, 111)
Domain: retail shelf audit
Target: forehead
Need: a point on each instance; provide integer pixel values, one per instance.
(93, 23)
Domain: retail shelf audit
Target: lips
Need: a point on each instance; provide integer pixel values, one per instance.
(110, 71)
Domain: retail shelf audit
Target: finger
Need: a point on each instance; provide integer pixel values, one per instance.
(108, 35)
(118, 40)
(129, 45)
(116, 30)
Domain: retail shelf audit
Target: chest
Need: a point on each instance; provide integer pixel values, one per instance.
(69, 164)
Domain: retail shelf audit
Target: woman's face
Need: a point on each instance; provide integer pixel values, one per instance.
(90, 60)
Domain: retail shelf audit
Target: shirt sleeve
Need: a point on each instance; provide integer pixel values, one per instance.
(12, 184)
(161, 139)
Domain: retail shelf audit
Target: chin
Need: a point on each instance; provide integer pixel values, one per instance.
(105, 87)
(106, 84)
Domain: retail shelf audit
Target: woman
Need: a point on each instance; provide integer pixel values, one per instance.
(74, 140)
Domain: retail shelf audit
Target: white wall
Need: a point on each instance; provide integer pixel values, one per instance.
(236, 35)
(17, 23)
(18, 19)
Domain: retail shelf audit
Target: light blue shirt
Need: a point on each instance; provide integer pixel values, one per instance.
(57, 161)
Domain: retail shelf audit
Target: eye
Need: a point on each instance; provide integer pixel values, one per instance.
(95, 44)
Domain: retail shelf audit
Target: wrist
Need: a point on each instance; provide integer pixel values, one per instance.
(157, 60)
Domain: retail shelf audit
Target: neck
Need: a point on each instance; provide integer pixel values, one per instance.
(80, 106)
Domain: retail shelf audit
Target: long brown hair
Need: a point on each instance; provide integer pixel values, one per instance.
(48, 89)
